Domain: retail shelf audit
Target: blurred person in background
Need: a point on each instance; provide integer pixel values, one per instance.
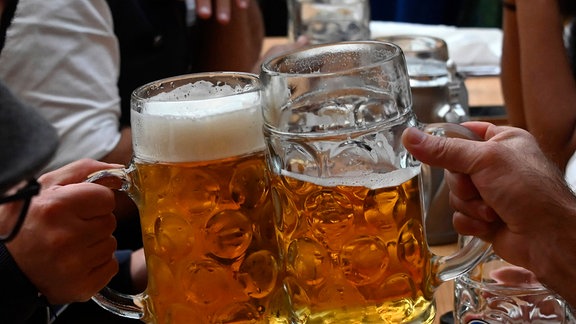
(164, 38)
(538, 75)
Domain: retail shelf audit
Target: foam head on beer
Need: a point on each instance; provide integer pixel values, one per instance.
(198, 122)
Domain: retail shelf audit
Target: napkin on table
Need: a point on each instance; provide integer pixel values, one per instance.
(476, 51)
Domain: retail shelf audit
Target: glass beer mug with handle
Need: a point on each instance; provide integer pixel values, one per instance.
(496, 291)
(198, 179)
(347, 194)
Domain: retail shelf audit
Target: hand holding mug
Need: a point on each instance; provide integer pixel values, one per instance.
(69, 226)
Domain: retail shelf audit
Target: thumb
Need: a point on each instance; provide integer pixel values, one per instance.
(454, 154)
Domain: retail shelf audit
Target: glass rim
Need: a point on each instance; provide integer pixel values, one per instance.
(136, 94)
(318, 49)
(433, 43)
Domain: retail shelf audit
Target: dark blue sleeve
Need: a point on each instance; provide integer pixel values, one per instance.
(122, 282)
(19, 298)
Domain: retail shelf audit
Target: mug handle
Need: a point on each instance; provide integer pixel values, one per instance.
(467, 256)
(124, 305)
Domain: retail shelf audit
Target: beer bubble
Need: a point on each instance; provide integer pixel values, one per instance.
(174, 236)
(380, 208)
(228, 234)
(410, 248)
(396, 287)
(258, 274)
(297, 293)
(286, 213)
(308, 261)
(205, 283)
(181, 313)
(237, 313)
(353, 156)
(197, 192)
(248, 185)
(340, 293)
(331, 215)
(263, 218)
(364, 260)
(163, 278)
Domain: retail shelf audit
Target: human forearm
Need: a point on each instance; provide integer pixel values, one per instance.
(548, 87)
(553, 257)
(122, 153)
(510, 70)
(234, 46)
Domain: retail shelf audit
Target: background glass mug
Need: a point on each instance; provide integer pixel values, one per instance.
(347, 194)
(439, 92)
(496, 291)
(326, 21)
(198, 179)
(438, 95)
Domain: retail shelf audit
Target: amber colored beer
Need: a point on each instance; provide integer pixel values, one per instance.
(209, 240)
(354, 254)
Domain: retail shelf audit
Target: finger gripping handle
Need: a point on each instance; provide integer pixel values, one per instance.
(468, 256)
(129, 306)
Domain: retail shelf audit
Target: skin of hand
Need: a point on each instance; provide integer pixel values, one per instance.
(507, 192)
(222, 8)
(232, 44)
(537, 81)
(65, 246)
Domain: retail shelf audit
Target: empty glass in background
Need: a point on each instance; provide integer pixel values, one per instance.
(326, 21)
(198, 179)
(496, 292)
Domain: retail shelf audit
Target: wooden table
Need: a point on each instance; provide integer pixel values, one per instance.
(482, 91)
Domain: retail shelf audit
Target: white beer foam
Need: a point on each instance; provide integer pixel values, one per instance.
(202, 129)
(369, 180)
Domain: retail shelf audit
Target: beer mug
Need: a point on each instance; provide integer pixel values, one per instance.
(347, 194)
(496, 291)
(439, 92)
(327, 21)
(198, 179)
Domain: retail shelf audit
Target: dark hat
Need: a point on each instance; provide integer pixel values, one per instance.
(27, 141)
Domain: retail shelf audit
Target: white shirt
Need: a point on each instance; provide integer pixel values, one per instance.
(62, 57)
(570, 174)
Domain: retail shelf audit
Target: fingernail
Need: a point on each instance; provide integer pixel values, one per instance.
(413, 135)
(223, 17)
(243, 4)
(204, 11)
